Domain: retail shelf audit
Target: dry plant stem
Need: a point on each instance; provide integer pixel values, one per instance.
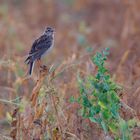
(36, 90)
(56, 112)
(18, 128)
(9, 102)
(38, 85)
(73, 135)
(5, 137)
(128, 108)
(39, 65)
(123, 59)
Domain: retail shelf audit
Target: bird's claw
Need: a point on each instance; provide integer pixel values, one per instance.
(43, 68)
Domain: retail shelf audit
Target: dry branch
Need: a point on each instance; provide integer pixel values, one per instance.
(43, 73)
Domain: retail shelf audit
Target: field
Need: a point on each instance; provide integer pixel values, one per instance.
(43, 106)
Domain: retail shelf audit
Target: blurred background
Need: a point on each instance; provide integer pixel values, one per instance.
(82, 28)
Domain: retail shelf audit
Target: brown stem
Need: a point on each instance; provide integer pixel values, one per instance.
(38, 85)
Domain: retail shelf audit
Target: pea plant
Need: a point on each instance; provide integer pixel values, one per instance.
(100, 102)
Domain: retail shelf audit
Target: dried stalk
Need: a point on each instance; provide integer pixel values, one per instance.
(38, 85)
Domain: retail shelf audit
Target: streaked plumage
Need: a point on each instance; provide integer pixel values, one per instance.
(40, 46)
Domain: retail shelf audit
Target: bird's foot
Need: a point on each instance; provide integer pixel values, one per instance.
(43, 68)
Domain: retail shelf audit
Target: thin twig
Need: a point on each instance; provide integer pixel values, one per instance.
(128, 107)
(9, 102)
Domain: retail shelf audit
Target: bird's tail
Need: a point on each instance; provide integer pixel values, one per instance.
(31, 68)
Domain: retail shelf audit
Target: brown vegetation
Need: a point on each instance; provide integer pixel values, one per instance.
(44, 104)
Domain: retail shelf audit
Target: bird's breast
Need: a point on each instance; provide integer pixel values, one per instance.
(49, 48)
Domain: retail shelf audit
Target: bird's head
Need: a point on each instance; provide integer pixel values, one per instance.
(49, 31)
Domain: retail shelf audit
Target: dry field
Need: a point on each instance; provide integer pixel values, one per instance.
(82, 27)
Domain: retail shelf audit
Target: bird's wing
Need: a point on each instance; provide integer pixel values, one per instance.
(35, 47)
(40, 45)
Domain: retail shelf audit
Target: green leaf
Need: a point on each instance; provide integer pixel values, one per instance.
(115, 110)
(102, 105)
(106, 114)
(113, 127)
(92, 119)
(95, 120)
(107, 49)
(94, 110)
(84, 112)
(86, 101)
(105, 52)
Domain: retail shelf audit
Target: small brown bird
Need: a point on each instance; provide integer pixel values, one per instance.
(41, 46)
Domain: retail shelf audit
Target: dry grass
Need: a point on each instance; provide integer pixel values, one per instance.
(79, 25)
(32, 122)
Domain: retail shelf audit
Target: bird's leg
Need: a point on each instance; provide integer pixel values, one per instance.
(39, 63)
(40, 66)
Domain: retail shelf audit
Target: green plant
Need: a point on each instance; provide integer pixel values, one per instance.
(100, 102)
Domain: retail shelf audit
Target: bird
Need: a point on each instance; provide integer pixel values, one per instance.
(40, 47)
